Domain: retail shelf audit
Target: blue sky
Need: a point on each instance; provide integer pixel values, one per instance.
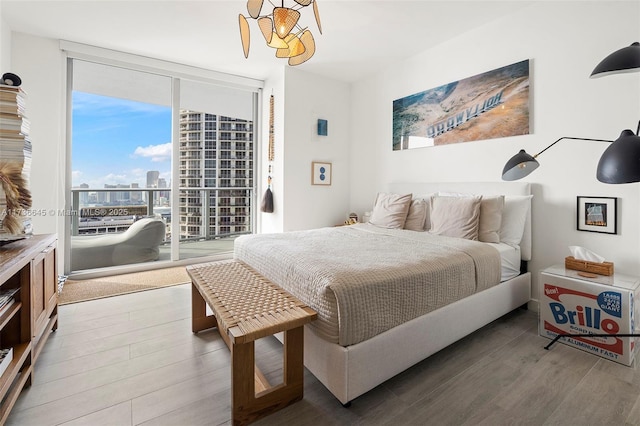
(116, 141)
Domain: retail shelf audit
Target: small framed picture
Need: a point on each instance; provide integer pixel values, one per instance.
(320, 173)
(598, 214)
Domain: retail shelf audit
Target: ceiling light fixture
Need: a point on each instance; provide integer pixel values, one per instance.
(281, 30)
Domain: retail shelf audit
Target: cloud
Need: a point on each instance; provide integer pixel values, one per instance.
(113, 178)
(157, 153)
(138, 173)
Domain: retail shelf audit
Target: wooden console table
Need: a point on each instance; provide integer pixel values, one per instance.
(29, 267)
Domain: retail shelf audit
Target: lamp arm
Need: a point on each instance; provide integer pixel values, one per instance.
(577, 139)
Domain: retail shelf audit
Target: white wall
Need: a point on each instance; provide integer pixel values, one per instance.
(564, 41)
(39, 63)
(300, 205)
(5, 46)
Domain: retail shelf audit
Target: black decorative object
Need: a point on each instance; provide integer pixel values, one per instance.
(620, 161)
(11, 79)
(626, 59)
(522, 164)
(267, 202)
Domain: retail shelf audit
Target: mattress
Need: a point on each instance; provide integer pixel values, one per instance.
(363, 280)
(509, 260)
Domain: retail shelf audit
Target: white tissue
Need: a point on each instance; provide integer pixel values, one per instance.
(582, 253)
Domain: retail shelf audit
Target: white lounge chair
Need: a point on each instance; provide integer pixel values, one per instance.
(139, 243)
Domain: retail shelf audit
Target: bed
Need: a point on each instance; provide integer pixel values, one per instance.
(382, 306)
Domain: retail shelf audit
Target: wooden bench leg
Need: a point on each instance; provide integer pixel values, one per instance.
(199, 318)
(243, 393)
(247, 406)
(294, 358)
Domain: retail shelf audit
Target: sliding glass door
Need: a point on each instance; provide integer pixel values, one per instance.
(133, 203)
(216, 167)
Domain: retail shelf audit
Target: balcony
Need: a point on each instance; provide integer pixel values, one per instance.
(210, 236)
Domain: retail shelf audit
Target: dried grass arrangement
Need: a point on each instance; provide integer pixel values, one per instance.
(17, 195)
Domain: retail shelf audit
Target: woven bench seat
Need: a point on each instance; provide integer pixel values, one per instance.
(246, 307)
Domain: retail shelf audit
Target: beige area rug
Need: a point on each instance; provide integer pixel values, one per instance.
(79, 291)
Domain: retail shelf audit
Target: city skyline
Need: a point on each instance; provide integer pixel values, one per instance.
(161, 183)
(117, 141)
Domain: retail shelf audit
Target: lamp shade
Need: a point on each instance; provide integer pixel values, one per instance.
(626, 59)
(620, 162)
(284, 19)
(519, 166)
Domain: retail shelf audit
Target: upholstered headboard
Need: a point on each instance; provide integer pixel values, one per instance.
(478, 188)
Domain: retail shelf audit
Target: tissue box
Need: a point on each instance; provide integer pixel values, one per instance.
(604, 268)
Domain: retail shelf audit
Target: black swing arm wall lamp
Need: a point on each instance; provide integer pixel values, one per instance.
(620, 162)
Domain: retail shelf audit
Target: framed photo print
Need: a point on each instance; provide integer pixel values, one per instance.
(598, 214)
(320, 173)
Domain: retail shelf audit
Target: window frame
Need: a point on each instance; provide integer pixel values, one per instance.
(176, 72)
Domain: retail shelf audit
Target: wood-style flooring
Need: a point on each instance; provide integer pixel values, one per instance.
(132, 360)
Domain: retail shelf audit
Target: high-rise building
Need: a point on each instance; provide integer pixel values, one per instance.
(117, 197)
(216, 160)
(136, 197)
(152, 178)
(162, 198)
(84, 195)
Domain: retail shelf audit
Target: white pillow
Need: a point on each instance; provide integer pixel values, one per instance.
(390, 210)
(514, 217)
(490, 218)
(490, 215)
(456, 216)
(417, 216)
(428, 199)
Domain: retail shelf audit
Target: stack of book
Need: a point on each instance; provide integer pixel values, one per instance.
(15, 149)
(6, 297)
(6, 355)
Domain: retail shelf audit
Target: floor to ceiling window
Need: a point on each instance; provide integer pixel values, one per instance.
(144, 192)
(216, 165)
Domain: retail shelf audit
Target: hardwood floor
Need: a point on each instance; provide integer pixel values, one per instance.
(132, 360)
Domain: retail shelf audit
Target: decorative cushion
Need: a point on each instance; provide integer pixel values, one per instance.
(456, 216)
(390, 210)
(418, 213)
(490, 218)
(514, 218)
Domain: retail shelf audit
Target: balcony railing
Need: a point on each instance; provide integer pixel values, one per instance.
(112, 210)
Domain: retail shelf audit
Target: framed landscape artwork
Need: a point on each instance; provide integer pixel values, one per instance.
(490, 105)
(598, 214)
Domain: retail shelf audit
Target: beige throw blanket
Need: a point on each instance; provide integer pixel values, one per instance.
(363, 280)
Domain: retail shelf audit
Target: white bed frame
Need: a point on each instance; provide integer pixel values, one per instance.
(349, 372)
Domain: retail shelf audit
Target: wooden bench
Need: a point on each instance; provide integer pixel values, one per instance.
(246, 306)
